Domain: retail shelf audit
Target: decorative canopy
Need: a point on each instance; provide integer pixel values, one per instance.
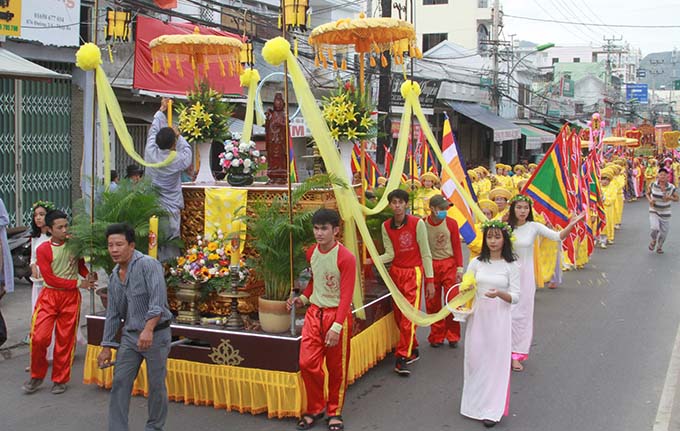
(199, 49)
(371, 36)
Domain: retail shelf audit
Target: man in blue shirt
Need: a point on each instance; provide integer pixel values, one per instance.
(137, 296)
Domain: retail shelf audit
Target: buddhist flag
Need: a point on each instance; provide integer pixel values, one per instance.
(356, 159)
(293, 165)
(428, 158)
(388, 161)
(451, 187)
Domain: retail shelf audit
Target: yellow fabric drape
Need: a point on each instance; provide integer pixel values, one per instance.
(222, 208)
(277, 51)
(250, 79)
(107, 102)
(280, 394)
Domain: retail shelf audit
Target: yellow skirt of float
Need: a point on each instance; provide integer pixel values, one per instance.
(249, 390)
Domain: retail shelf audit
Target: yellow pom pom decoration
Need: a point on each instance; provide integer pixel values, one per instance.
(467, 282)
(276, 51)
(88, 57)
(248, 76)
(409, 87)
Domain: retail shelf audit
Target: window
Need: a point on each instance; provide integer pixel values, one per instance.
(431, 2)
(555, 60)
(430, 40)
(482, 36)
(576, 60)
(483, 4)
(578, 108)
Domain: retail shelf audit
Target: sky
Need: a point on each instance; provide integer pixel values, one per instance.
(634, 12)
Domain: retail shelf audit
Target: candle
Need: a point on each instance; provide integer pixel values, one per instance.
(235, 252)
(153, 237)
(170, 113)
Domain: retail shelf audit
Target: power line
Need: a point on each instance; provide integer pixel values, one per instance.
(592, 23)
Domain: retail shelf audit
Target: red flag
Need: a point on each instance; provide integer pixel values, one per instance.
(166, 4)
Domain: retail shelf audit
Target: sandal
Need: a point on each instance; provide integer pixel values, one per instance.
(659, 251)
(518, 368)
(307, 421)
(338, 426)
(652, 245)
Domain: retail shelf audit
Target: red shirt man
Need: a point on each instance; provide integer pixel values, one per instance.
(406, 246)
(447, 261)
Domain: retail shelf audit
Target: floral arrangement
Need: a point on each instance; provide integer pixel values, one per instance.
(348, 113)
(205, 118)
(497, 224)
(521, 198)
(208, 261)
(241, 157)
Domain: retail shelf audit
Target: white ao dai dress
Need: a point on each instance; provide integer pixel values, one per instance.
(523, 311)
(488, 341)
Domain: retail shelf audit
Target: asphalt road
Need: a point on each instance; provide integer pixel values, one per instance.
(602, 346)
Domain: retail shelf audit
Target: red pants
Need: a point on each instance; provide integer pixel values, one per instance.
(444, 277)
(313, 351)
(409, 284)
(60, 307)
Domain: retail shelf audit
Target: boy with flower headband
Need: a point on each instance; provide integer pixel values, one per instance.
(407, 248)
(447, 261)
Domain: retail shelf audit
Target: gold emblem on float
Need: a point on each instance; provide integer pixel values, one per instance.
(226, 354)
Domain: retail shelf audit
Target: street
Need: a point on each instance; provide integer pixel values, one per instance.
(602, 345)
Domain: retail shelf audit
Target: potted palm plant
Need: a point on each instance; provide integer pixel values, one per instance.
(131, 203)
(269, 227)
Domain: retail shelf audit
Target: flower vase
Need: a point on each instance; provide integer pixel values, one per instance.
(239, 179)
(205, 174)
(346, 148)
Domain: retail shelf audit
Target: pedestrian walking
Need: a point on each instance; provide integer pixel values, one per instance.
(6, 266)
(660, 194)
(138, 296)
(328, 322)
(57, 309)
(447, 263)
(406, 247)
(488, 331)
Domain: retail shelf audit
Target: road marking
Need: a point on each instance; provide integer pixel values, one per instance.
(670, 386)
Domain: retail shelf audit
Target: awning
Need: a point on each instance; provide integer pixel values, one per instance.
(16, 67)
(503, 130)
(535, 138)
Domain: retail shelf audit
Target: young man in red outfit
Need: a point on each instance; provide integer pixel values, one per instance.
(328, 322)
(406, 247)
(447, 262)
(58, 305)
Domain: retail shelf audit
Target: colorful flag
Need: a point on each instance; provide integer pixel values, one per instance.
(451, 187)
(356, 159)
(428, 164)
(293, 165)
(388, 160)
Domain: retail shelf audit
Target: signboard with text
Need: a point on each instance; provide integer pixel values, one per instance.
(429, 89)
(51, 22)
(10, 17)
(638, 92)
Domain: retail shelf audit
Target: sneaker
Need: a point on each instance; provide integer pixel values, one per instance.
(489, 423)
(32, 385)
(58, 388)
(415, 355)
(436, 345)
(401, 367)
(453, 344)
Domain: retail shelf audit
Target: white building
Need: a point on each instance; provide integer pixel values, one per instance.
(464, 22)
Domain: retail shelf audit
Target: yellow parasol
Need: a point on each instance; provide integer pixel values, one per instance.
(615, 141)
(371, 36)
(199, 49)
(632, 143)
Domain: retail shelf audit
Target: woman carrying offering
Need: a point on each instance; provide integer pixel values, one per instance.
(526, 231)
(488, 333)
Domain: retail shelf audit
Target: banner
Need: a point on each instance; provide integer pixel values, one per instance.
(10, 18)
(144, 78)
(51, 22)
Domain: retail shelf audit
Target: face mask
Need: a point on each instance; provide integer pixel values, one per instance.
(441, 214)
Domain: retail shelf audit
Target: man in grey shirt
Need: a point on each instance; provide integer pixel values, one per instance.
(137, 299)
(168, 179)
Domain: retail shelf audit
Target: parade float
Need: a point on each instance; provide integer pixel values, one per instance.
(220, 355)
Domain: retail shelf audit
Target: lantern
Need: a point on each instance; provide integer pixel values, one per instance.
(118, 25)
(297, 16)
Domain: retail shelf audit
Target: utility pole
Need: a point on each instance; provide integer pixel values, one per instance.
(385, 96)
(495, 33)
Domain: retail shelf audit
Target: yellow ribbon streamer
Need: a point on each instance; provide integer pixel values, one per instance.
(249, 78)
(88, 57)
(275, 52)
